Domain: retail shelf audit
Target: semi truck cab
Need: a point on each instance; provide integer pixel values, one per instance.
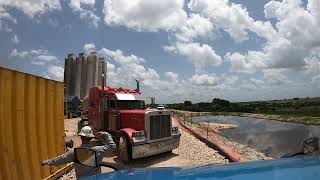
(137, 131)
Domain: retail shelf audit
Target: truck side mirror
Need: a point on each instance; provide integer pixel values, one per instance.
(84, 156)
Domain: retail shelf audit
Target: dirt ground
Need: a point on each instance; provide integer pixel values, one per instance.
(71, 126)
(191, 152)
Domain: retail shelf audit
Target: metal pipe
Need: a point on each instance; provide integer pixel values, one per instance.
(138, 86)
(102, 103)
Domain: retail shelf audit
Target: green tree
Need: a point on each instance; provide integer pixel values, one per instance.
(187, 103)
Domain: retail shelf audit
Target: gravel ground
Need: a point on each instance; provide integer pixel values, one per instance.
(250, 153)
(71, 126)
(196, 152)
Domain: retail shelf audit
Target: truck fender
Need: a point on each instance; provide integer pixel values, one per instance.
(128, 132)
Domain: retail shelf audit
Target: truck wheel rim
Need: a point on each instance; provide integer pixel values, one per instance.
(123, 148)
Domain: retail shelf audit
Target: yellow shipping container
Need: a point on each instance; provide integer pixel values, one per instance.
(31, 124)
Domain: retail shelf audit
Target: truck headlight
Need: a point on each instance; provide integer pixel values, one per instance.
(138, 134)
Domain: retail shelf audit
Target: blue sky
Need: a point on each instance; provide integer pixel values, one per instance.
(180, 50)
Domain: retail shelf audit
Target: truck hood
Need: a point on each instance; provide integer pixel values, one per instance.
(282, 169)
(133, 118)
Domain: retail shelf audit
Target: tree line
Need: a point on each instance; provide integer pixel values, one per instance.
(295, 106)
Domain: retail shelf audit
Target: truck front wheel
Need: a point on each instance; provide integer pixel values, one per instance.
(124, 153)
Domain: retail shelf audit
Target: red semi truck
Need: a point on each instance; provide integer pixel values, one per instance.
(137, 131)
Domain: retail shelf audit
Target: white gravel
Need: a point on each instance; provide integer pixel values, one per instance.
(250, 153)
(196, 152)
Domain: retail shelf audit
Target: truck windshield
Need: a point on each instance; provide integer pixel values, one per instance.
(130, 104)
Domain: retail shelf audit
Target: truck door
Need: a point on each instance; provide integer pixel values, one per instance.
(112, 114)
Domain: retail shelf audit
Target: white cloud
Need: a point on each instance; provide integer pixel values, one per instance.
(44, 59)
(132, 65)
(120, 58)
(76, 4)
(298, 32)
(211, 84)
(152, 15)
(253, 84)
(257, 82)
(204, 80)
(32, 7)
(15, 39)
(39, 57)
(271, 78)
(39, 51)
(170, 48)
(232, 18)
(280, 10)
(313, 7)
(200, 55)
(220, 15)
(275, 77)
(90, 47)
(313, 68)
(86, 10)
(5, 18)
(270, 9)
(249, 63)
(172, 76)
(15, 53)
(29, 7)
(297, 37)
(55, 72)
(195, 26)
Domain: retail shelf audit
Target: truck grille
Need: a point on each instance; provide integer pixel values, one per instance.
(159, 126)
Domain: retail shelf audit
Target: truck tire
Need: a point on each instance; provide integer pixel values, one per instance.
(124, 149)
